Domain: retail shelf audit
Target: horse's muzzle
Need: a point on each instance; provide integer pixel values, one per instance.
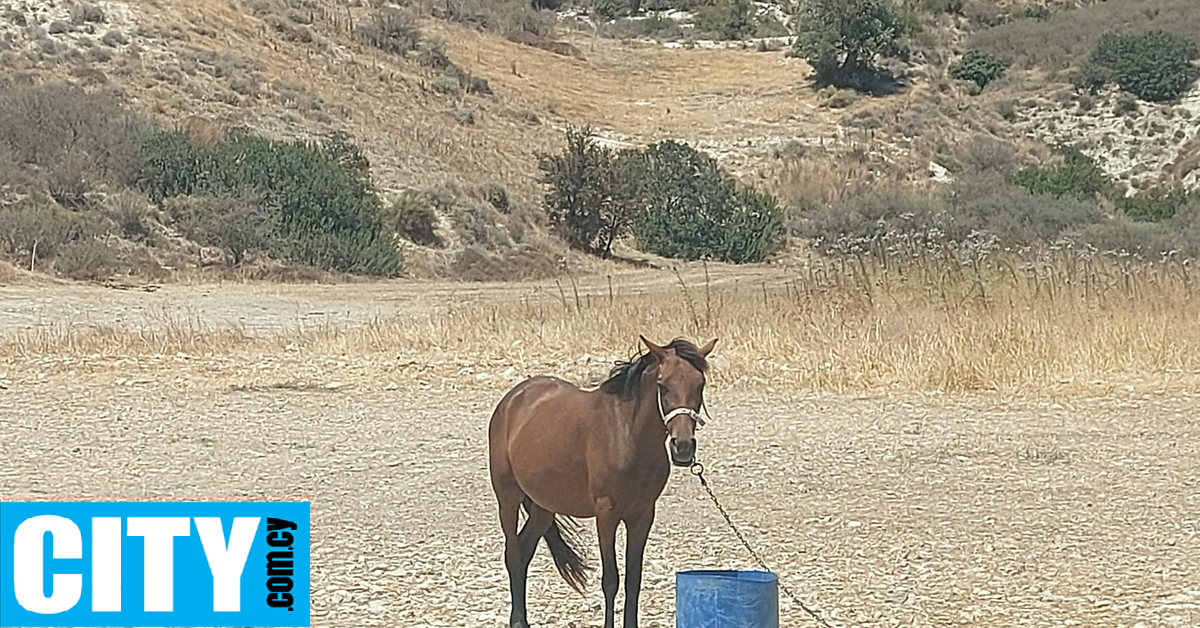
(683, 452)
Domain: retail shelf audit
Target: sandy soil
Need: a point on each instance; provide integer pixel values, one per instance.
(896, 511)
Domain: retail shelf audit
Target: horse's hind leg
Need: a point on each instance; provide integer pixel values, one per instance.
(536, 525)
(519, 547)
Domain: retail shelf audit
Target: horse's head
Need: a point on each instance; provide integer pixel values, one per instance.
(680, 394)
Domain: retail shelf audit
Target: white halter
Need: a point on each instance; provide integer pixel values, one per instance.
(666, 417)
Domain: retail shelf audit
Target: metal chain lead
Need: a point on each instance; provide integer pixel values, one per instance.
(698, 471)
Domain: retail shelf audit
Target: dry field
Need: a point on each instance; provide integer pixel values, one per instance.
(896, 463)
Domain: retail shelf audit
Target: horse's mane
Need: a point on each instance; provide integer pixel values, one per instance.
(625, 379)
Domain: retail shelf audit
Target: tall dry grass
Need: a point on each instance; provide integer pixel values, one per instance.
(921, 319)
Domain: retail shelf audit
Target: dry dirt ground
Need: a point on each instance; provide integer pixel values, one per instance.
(885, 511)
(265, 308)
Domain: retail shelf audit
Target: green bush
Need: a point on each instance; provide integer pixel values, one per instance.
(329, 213)
(843, 38)
(693, 210)
(978, 66)
(1077, 176)
(1155, 66)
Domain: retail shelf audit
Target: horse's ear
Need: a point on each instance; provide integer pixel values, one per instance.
(658, 351)
(707, 349)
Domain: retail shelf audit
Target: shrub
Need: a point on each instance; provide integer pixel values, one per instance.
(693, 210)
(985, 202)
(86, 258)
(413, 217)
(1077, 176)
(1155, 205)
(843, 38)
(129, 211)
(1179, 234)
(654, 26)
(586, 199)
(446, 84)
(954, 7)
(497, 197)
(433, 54)
(48, 227)
(238, 223)
(329, 213)
(987, 154)
(728, 19)
(868, 214)
(1038, 12)
(1155, 66)
(1067, 37)
(44, 125)
(66, 181)
(391, 30)
(611, 9)
(501, 16)
(979, 67)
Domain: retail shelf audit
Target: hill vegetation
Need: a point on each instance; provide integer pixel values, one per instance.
(512, 138)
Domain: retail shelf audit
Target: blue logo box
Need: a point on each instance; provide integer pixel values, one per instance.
(140, 564)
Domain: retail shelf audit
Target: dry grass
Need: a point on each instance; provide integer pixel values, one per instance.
(933, 322)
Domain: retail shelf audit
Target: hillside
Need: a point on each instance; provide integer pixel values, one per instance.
(303, 69)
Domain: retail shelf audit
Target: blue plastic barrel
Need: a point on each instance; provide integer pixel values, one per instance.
(721, 598)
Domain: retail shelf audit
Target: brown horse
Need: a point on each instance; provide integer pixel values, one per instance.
(562, 452)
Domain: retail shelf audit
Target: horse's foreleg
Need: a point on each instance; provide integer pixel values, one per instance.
(606, 529)
(636, 532)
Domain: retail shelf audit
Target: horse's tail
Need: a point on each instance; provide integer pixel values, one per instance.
(562, 538)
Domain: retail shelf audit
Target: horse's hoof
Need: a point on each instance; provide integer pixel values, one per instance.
(519, 624)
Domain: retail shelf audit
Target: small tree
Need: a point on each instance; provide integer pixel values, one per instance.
(843, 38)
(587, 196)
(237, 222)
